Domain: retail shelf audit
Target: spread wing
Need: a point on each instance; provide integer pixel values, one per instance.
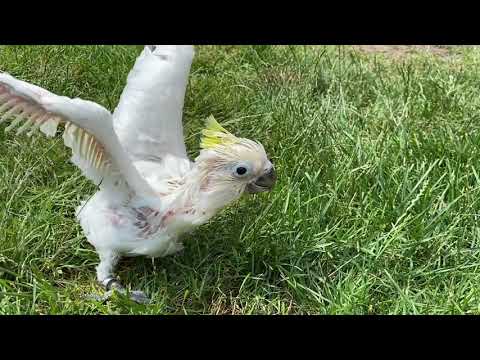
(88, 130)
(148, 119)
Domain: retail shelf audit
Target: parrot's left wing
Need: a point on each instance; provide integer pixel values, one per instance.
(148, 118)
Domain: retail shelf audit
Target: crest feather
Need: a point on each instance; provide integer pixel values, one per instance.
(215, 135)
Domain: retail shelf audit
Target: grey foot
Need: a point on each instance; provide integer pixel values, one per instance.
(139, 297)
(112, 285)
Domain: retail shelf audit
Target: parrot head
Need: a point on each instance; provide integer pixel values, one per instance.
(234, 164)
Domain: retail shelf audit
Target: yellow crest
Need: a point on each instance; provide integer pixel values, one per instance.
(214, 135)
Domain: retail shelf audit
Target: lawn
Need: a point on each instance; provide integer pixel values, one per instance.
(375, 210)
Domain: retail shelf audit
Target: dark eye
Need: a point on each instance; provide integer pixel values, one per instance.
(241, 170)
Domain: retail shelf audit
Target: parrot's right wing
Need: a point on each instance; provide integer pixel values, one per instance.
(148, 119)
(88, 130)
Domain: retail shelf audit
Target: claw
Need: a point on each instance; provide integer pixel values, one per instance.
(112, 285)
(96, 297)
(139, 297)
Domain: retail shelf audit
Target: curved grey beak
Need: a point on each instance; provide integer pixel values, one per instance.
(263, 183)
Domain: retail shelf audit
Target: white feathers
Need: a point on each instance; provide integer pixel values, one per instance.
(88, 130)
(147, 124)
(87, 153)
(49, 126)
(24, 110)
(148, 119)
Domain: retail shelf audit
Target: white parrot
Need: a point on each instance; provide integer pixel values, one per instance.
(150, 193)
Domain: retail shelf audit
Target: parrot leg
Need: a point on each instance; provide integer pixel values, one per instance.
(106, 278)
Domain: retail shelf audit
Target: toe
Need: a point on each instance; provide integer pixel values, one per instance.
(139, 297)
(111, 283)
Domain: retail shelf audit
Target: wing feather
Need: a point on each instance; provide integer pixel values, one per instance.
(148, 119)
(88, 130)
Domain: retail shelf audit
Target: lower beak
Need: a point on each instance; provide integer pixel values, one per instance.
(263, 183)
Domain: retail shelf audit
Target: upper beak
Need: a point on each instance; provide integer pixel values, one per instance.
(263, 183)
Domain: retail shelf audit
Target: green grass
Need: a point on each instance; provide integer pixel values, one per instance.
(375, 211)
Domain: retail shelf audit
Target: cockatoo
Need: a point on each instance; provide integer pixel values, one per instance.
(150, 193)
